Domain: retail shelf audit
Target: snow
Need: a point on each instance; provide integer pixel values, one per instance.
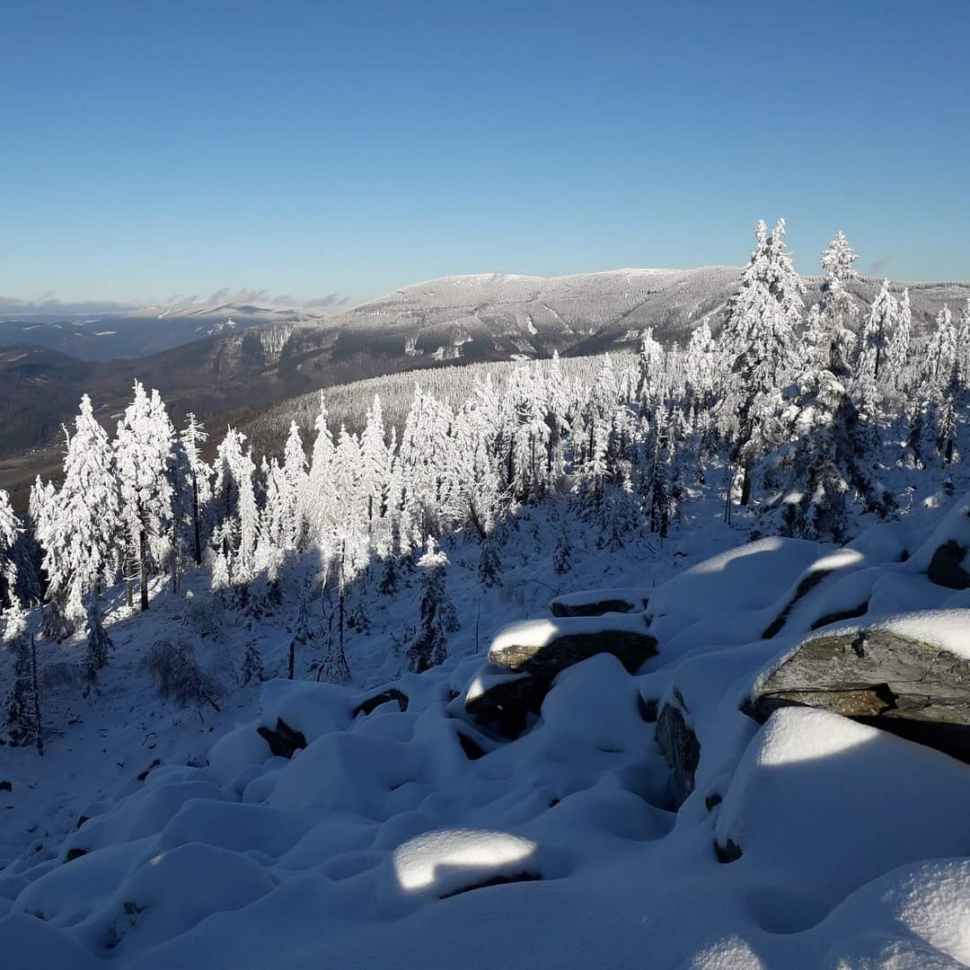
(450, 861)
(633, 596)
(747, 577)
(563, 848)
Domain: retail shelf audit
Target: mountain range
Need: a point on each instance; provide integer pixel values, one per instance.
(227, 361)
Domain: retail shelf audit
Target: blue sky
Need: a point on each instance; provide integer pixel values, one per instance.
(157, 148)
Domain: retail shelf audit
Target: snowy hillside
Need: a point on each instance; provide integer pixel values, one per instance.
(306, 823)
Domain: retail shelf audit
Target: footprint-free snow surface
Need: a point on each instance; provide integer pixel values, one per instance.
(420, 838)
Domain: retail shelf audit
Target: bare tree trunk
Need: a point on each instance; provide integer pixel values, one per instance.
(143, 567)
(195, 521)
(745, 485)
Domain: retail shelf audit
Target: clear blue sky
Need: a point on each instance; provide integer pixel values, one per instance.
(156, 148)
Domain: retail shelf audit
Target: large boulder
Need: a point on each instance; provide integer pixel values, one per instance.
(891, 677)
(502, 702)
(596, 602)
(525, 658)
(543, 648)
(679, 745)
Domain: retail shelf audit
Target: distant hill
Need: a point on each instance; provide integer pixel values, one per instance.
(138, 332)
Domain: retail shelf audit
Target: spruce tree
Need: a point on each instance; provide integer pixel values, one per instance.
(197, 481)
(429, 647)
(10, 530)
(23, 703)
(143, 452)
(562, 554)
(489, 564)
(99, 644)
(758, 347)
(81, 522)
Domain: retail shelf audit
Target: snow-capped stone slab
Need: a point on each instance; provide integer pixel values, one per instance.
(827, 804)
(909, 676)
(544, 647)
(596, 602)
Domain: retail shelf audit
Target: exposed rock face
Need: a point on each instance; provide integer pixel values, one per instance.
(368, 705)
(680, 747)
(878, 677)
(946, 566)
(283, 741)
(630, 646)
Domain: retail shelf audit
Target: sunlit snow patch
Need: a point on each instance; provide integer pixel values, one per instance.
(458, 859)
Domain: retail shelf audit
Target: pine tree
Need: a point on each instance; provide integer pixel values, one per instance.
(831, 318)
(23, 703)
(375, 460)
(253, 667)
(897, 356)
(876, 335)
(80, 523)
(197, 481)
(234, 500)
(437, 613)
(489, 565)
(562, 554)
(295, 479)
(303, 636)
(758, 346)
(99, 644)
(320, 508)
(941, 354)
(10, 530)
(143, 452)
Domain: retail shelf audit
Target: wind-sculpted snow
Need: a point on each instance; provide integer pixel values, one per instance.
(410, 836)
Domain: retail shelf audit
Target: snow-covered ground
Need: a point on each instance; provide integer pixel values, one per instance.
(157, 837)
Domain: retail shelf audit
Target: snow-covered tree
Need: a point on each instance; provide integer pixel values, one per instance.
(23, 722)
(197, 482)
(234, 502)
(489, 565)
(758, 346)
(429, 646)
(80, 524)
(941, 354)
(292, 495)
(10, 529)
(99, 644)
(897, 356)
(876, 335)
(143, 452)
(829, 331)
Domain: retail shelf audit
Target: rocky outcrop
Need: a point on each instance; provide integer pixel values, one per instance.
(680, 747)
(283, 741)
(369, 704)
(901, 685)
